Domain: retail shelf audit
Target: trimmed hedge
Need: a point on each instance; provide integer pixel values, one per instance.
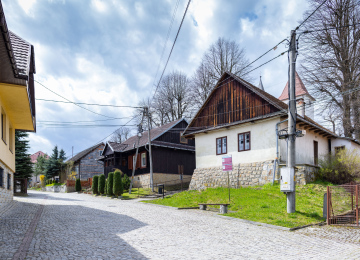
(110, 184)
(118, 185)
(101, 187)
(126, 182)
(77, 185)
(95, 185)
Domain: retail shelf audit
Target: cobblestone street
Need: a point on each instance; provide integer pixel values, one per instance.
(79, 226)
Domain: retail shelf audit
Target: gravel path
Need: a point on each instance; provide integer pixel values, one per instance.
(79, 226)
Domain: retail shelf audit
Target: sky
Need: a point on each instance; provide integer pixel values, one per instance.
(108, 51)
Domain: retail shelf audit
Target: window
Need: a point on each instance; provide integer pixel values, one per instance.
(3, 126)
(1, 177)
(221, 145)
(244, 142)
(183, 140)
(9, 182)
(11, 147)
(143, 160)
(100, 153)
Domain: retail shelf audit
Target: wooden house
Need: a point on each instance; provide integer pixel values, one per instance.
(87, 164)
(241, 120)
(172, 155)
(17, 100)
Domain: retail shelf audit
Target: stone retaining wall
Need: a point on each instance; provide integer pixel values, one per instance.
(143, 180)
(6, 195)
(246, 174)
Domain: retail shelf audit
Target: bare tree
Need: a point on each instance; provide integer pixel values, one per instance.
(331, 59)
(120, 135)
(225, 55)
(172, 99)
(222, 56)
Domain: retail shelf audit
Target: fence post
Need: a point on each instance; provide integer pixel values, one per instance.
(328, 206)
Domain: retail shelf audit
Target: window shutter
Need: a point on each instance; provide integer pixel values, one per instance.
(130, 162)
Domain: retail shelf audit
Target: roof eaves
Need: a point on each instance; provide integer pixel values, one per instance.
(278, 113)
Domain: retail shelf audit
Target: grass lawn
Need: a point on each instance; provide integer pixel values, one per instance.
(264, 204)
(136, 193)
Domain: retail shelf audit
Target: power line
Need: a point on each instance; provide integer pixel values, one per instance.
(266, 62)
(310, 15)
(167, 38)
(69, 122)
(70, 100)
(330, 28)
(162, 74)
(273, 48)
(80, 103)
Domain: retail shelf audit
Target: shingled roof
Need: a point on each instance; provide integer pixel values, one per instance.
(131, 142)
(84, 153)
(300, 89)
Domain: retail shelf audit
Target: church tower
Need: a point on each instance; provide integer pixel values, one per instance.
(261, 85)
(304, 101)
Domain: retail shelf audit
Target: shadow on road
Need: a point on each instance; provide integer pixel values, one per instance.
(68, 232)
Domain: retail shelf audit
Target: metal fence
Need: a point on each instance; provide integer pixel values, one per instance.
(343, 204)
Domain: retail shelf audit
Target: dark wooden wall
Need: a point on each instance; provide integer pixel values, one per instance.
(173, 135)
(167, 160)
(232, 102)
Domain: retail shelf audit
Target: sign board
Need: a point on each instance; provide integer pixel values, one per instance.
(227, 163)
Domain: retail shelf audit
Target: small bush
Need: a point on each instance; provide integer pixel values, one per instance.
(42, 180)
(118, 184)
(95, 184)
(110, 184)
(126, 182)
(101, 187)
(341, 168)
(77, 185)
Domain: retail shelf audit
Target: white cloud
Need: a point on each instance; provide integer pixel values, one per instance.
(27, 5)
(99, 5)
(39, 143)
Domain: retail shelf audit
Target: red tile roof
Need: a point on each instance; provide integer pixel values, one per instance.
(300, 89)
(34, 156)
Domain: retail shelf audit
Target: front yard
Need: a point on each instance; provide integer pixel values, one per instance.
(264, 204)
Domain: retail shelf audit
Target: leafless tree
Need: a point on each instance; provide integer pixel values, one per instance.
(331, 59)
(172, 99)
(120, 135)
(223, 55)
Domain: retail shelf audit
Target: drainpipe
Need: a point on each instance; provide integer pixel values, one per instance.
(277, 147)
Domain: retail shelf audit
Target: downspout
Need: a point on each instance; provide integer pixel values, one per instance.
(277, 147)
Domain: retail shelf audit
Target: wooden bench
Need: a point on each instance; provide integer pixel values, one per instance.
(223, 206)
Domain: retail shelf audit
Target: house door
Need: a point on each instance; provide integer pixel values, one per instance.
(316, 153)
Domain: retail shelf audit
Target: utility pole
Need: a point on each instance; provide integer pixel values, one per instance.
(150, 154)
(290, 196)
(134, 162)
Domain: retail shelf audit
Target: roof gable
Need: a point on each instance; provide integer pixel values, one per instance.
(300, 89)
(234, 100)
(85, 152)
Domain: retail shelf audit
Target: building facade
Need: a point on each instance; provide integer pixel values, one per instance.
(17, 100)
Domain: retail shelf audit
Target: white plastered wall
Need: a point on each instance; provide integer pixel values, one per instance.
(263, 144)
(305, 147)
(349, 145)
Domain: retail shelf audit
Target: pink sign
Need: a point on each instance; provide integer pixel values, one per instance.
(227, 163)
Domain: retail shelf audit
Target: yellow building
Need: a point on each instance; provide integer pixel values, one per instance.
(17, 101)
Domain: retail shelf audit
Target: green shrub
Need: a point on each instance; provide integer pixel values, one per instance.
(106, 189)
(110, 184)
(95, 184)
(126, 182)
(77, 185)
(118, 184)
(341, 168)
(101, 188)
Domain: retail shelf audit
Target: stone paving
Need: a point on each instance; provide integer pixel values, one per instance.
(79, 226)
